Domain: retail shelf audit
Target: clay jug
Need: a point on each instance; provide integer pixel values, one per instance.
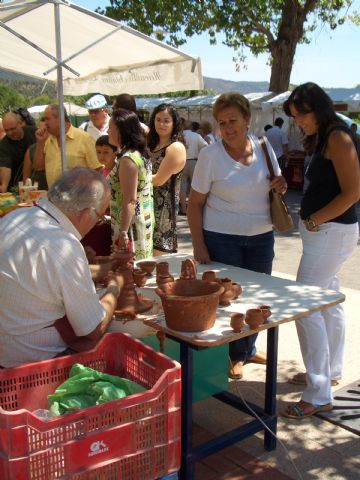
(140, 277)
(209, 276)
(254, 318)
(237, 321)
(162, 274)
(236, 289)
(266, 312)
(228, 294)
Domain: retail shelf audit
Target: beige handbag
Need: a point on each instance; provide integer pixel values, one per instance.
(279, 211)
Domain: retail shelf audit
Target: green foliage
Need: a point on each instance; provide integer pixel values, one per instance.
(10, 99)
(265, 26)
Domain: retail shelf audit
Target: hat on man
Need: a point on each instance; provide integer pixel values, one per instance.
(95, 102)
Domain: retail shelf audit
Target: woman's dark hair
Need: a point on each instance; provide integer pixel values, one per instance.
(131, 133)
(310, 98)
(176, 135)
(25, 115)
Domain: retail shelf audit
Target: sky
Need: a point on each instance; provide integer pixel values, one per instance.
(332, 59)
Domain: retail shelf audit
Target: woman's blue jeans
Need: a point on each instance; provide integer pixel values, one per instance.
(255, 253)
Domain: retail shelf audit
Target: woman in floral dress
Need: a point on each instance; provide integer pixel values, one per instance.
(168, 157)
(131, 204)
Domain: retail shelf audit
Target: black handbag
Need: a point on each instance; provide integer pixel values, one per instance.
(279, 211)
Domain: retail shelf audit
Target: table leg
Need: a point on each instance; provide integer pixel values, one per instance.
(270, 387)
(187, 471)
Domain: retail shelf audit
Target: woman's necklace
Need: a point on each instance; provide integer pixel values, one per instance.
(243, 155)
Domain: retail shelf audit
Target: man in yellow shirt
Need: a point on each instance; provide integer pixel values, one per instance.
(79, 146)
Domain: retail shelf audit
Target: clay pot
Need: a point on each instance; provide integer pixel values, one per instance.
(129, 303)
(140, 277)
(147, 266)
(162, 274)
(122, 257)
(100, 267)
(190, 306)
(237, 321)
(209, 276)
(228, 294)
(266, 312)
(254, 318)
(236, 289)
(188, 269)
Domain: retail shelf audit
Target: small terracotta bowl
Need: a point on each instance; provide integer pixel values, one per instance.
(147, 266)
(254, 318)
(140, 277)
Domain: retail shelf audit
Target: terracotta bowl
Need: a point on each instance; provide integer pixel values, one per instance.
(147, 266)
(101, 267)
(190, 306)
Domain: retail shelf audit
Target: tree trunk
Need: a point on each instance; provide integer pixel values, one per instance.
(284, 47)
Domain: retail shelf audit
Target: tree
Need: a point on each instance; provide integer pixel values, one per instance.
(10, 99)
(265, 26)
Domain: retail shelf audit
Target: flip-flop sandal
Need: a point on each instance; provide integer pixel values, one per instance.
(299, 413)
(300, 379)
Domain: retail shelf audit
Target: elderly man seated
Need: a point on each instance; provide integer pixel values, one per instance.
(44, 272)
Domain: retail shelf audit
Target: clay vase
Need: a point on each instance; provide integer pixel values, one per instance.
(188, 269)
(209, 276)
(227, 295)
(254, 318)
(147, 266)
(122, 257)
(140, 277)
(162, 274)
(237, 321)
(236, 289)
(266, 312)
(128, 302)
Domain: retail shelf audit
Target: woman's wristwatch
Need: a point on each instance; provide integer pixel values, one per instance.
(311, 225)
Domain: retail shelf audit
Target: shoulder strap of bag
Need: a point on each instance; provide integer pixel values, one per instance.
(267, 157)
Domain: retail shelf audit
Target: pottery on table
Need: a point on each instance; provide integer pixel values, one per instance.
(237, 321)
(162, 273)
(129, 302)
(122, 257)
(100, 267)
(140, 277)
(236, 289)
(188, 269)
(147, 266)
(254, 318)
(190, 306)
(228, 294)
(209, 276)
(266, 312)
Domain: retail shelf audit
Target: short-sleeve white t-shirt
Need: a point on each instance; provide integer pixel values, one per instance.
(238, 195)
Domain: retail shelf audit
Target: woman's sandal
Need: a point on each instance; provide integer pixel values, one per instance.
(301, 410)
(300, 379)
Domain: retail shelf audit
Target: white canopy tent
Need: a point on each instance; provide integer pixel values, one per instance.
(71, 109)
(87, 53)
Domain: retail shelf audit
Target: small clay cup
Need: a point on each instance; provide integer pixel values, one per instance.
(237, 321)
(227, 295)
(209, 276)
(266, 312)
(236, 289)
(254, 318)
(162, 273)
(140, 277)
(147, 266)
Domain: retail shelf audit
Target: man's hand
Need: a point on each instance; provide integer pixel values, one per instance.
(41, 135)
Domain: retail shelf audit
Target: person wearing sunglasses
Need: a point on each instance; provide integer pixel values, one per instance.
(98, 123)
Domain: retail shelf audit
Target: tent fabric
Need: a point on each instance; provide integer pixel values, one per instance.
(124, 61)
(71, 109)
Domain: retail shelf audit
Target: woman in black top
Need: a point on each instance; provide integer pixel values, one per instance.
(329, 231)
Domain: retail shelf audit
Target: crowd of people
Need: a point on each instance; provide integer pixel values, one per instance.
(143, 177)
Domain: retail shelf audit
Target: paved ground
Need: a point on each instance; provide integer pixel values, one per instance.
(312, 448)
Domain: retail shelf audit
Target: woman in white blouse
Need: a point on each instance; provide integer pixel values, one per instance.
(229, 211)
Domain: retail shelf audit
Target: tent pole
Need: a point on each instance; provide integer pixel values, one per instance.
(60, 91)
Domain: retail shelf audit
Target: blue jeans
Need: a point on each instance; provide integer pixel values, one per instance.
(255, 253)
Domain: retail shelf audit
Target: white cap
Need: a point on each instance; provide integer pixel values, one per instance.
(95, 102)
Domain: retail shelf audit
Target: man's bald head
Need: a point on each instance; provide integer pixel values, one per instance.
(12, 126)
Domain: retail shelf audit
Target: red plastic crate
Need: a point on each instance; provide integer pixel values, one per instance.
(134, 438)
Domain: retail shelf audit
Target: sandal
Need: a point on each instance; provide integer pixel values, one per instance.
(301, 410)
(236, 370)
(300, 379)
